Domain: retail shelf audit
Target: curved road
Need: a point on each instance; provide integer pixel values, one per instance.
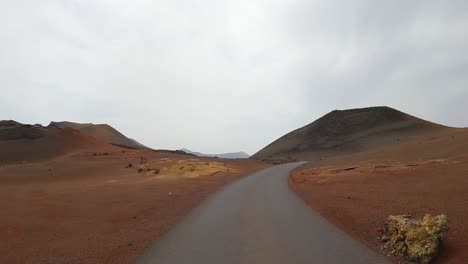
(257, 219)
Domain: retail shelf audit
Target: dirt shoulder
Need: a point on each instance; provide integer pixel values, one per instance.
(90, 208)
(357, 193)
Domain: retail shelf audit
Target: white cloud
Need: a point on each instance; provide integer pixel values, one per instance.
(217, 76)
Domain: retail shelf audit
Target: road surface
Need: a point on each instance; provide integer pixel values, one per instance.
(257, 219)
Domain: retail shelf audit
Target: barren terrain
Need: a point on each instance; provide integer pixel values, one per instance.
(428, 174)
(66, 197)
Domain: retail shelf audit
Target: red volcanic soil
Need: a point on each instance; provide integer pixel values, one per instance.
(25, 143)
(426, 175)
(66, 197)
(83, 208)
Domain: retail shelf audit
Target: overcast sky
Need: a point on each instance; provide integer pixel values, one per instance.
(218, 76)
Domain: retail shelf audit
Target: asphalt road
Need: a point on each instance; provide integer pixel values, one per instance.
(257, 219)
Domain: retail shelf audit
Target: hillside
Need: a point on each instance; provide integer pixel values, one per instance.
(346, 131)
(19, 142)
(230, 155)
(358, 191)
(102, 132)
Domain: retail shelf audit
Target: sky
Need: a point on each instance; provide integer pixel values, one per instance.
(220, 76)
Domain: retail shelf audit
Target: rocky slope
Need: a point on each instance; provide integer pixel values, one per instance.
(346, 131)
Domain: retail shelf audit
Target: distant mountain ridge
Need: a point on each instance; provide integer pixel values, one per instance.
(346, 131)
(102, 132)
(232, 155)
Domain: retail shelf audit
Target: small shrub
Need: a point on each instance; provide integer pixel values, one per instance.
(156, 171)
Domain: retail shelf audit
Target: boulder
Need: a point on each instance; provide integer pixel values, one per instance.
(416, 240)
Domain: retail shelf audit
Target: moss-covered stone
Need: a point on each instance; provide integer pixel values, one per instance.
(417, 240)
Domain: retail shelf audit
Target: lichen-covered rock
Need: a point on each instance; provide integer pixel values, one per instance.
(417, 240)
(435, 225)
(398, 226)
(421, 246)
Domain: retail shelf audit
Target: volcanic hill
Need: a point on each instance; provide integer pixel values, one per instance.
(346, 131)
(102, 132)
(20, 142)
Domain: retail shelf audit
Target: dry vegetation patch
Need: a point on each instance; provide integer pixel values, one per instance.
(186, 168)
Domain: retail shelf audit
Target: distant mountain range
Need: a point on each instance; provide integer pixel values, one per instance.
(28, 143)
(232, 155)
